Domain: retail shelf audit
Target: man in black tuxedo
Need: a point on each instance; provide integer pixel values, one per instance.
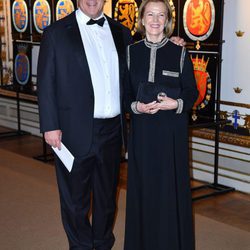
(81, 75)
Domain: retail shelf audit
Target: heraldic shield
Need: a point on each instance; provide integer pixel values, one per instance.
(204, 84)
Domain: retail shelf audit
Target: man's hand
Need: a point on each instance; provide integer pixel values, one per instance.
(53, 138)
(177, 40)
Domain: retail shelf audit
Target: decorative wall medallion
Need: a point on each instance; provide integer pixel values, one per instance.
(239, 33)
(247, 122)
(173, 14)
(236, 117)
(64, 8)
(237, 90)
(22, 65)
(126, 12)
(20, 15)
(41, 15)
(224, 116)
(199, 19)
(235, 125)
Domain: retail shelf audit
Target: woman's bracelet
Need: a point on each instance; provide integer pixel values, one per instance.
(179, 106)
(134, 108)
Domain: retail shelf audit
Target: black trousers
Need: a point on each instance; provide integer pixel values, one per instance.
(95, 173)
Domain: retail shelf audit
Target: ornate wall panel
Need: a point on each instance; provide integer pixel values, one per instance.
(63, 8)
(20, 19)
(42, 16)
(22, 67)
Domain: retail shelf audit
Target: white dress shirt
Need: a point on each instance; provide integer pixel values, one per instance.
(103, 64)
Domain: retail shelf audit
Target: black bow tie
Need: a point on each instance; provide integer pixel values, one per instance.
(99, 21)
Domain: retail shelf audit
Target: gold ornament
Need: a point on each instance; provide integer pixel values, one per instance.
(237, 90)
(239, 33)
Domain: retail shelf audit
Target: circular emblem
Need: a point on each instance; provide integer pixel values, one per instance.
(22, 68)
(198, 19)
(41, 15)
(64, 8)
(20, 15)
(203, 81)
(126, 12)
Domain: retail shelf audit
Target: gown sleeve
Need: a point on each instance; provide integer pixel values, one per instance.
(189, 91)
(129, 96)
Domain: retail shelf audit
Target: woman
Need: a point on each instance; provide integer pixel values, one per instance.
(161, 92)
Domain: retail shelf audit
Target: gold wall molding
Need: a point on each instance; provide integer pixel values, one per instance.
(236, 104)
(13, 94)
(225, 137)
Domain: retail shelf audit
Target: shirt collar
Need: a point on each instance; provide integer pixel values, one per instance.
(83, 18)
(156, 45)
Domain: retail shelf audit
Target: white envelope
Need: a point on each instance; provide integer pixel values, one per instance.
(65, 156)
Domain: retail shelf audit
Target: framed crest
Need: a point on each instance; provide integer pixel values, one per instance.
(205, 68)
(20, 20)
(42, 17)
(22, 66)
(200, 24)
(63, 8)
(126, 12)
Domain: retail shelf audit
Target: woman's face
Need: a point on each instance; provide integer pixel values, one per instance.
(154, 20)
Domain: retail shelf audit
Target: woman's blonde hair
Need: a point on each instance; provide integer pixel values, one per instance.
(168, 27)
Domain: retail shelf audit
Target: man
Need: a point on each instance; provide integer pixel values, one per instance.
(81, 72)
(81, 75)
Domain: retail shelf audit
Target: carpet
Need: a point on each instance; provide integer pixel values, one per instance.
(30, 217)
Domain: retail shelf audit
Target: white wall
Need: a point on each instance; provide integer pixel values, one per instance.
(234, 161)
(236, 55)
(233, 166)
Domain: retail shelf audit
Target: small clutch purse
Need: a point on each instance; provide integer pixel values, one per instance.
(149, 92)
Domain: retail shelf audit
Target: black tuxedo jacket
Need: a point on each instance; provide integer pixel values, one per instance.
(65, 91)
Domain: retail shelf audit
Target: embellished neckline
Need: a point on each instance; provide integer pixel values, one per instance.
(155, 45)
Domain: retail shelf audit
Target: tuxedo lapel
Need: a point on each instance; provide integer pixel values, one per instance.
(77, 46)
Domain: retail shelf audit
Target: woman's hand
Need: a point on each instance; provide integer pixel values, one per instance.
(149, 108)
(166, 103)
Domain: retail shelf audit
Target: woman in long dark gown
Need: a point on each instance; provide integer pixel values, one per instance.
(159, 209)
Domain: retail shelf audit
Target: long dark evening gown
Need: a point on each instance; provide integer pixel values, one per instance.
(159, 209)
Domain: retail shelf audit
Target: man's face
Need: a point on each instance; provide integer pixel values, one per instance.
(92, 8)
